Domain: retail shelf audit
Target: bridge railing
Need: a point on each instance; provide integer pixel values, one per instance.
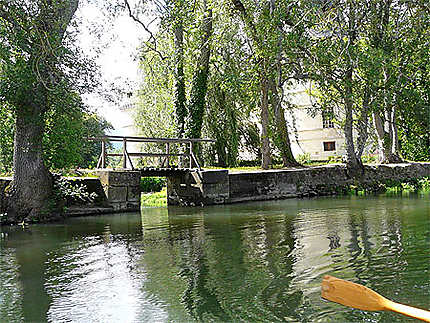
(166, 155)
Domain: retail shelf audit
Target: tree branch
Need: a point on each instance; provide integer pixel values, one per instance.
(151, 35)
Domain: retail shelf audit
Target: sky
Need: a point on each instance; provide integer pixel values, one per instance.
(117, 60)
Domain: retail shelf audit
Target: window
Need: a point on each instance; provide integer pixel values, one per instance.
(327, 118)
(329, 145)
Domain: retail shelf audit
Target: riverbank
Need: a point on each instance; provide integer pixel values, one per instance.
(118, 190)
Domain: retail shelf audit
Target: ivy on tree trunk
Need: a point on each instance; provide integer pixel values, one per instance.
(180, 99)
(200, 83)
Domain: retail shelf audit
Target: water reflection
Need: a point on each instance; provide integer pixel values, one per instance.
(246, 262)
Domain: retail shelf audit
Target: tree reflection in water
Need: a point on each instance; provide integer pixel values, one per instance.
(249, 262)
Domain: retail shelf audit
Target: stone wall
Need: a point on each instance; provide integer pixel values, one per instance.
(317, 181)
(219, 187)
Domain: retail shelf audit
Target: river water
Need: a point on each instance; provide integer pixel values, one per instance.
(252, 262)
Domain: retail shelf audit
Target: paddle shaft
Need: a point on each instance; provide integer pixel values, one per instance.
(408, 310)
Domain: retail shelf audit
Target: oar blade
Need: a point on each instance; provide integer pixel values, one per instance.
(351, 294)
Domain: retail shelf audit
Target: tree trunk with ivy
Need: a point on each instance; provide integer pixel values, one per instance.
(200, 83)
(180, 99)
(264, 115)
(30, 196)
(353, 163)
(282, 137)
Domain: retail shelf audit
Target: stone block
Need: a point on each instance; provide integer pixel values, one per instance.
(210, 176)
(125, 206)
(119, 178)
(133, 194)
(213, 190)
(132, 206)
(116, 193)
(119, 206)
(287, 189)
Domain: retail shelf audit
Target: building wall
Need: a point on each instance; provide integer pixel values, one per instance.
(309, 135)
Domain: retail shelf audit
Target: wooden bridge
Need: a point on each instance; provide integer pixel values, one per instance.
(177, 150)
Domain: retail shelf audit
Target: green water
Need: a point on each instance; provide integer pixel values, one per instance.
(253, 262)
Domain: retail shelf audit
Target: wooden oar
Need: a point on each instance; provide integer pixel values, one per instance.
(358, 296)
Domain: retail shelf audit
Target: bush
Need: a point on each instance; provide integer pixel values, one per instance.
(71, 194)
(152, 184)
(249, 163)
(304, 158)
(369, 158)
(335, 159)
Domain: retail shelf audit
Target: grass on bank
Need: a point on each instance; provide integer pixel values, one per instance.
(420, 186)
(156, 199)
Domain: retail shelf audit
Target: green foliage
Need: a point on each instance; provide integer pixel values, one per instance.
(7, 122)
(93, 125)
(424, 183)
(72, 194)
(63, 137)
(152, 184)
(412, 185)
(154, 114)
(158, 199)
(304, 158)
(369, 158)
(248, 163)
(65, 143)
(334, 159)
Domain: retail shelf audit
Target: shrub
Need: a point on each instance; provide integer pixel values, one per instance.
(304, 158)
(72, 194)
(158, 199)
(249, 163)
(369, 158)
(335, 159)
(152, 184)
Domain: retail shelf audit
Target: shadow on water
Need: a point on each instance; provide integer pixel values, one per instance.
(246, 262)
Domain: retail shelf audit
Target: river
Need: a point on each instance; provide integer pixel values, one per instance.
(251, 262)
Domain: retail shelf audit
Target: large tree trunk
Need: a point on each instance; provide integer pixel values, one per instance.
(395, 149)
(30, 195)
(282, 135)
(363, 124)
(353, 163)
(386, 139)
(265, 145)
(264, 84)
(386, 131)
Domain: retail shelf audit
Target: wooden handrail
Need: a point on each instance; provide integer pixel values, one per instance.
(148, 139)
(167, 141)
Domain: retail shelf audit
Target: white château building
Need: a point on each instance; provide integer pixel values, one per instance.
(317, 135)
